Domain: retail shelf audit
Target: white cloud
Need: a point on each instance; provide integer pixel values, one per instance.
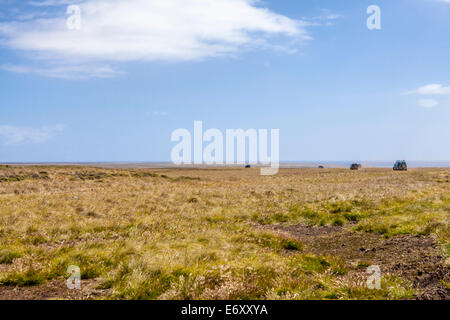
(149, 30)
(65, 71)
(428, 103)
(12, 135)
(327, 18)
(431, 89)
(48, 3)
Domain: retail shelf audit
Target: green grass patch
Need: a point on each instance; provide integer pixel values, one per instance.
(7, 256)
(272, 241)
(363, 265)
(29, 278)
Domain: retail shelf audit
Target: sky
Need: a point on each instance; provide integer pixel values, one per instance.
(116, 86)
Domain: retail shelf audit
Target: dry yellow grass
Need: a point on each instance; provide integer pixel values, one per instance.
(201, 234)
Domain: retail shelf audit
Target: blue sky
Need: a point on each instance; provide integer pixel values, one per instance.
(117, 88)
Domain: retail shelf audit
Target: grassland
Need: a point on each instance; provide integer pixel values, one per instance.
(223, 233)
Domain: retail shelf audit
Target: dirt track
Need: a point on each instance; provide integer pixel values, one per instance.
(417, 259)
(55, 289)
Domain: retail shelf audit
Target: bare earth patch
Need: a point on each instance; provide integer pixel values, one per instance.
(55, 289)
(417, 259)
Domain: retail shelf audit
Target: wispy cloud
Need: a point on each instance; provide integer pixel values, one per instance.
(149, 30)
(326, 18)
(434, 89)
(65, 71)
(12, 135)
(49, 3)
(431, 89)
(428, 103)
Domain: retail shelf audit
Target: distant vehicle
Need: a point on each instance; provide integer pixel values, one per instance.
(355, 166)
(400, 166)
(321, 167)
(248, 166)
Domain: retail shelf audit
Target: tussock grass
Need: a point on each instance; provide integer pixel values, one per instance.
(197, 234)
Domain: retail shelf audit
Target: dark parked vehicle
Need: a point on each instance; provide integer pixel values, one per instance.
(355, 166)
(400, 166)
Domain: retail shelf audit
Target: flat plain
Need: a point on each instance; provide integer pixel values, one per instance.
(223, 233)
